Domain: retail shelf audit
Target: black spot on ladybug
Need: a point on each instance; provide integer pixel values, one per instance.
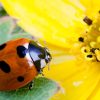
(21, 51)
(20, 78)
(2, 46)
(37, 65)
(4, 67)
(87, 20)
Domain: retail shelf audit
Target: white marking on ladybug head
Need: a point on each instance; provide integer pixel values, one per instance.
(48, 56)
(26, 45)
(29, 59)
(30, 63)
(42, 63)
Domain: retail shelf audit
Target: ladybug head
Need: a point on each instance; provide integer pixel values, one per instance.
(39, 55)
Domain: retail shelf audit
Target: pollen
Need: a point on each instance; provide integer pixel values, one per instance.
(92, 44)
(85, 50)
(81, 39)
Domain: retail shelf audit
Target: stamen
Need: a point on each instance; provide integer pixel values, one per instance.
(90, 49)
(98, 39)
(90, 56)
(87, 20)
(97, 52)
(85, 50)
(93, 50)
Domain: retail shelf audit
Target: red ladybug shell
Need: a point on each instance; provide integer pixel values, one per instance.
(19, 63)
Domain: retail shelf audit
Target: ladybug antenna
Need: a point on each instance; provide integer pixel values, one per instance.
(45, 44)
(33, 38)
(49, 66)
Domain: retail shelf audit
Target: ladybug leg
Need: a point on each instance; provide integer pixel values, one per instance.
(16, 90)
(41, 72)
(31, 85)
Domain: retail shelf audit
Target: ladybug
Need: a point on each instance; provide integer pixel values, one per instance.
(21, 60)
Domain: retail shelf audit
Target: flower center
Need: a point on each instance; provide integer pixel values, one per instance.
(90, 39)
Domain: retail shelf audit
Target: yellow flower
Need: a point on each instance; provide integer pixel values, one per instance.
(71, 29)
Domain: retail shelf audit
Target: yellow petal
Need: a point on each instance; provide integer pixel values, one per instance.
(77, 78)
(95, 95)
(56, 21)
(92, 6)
